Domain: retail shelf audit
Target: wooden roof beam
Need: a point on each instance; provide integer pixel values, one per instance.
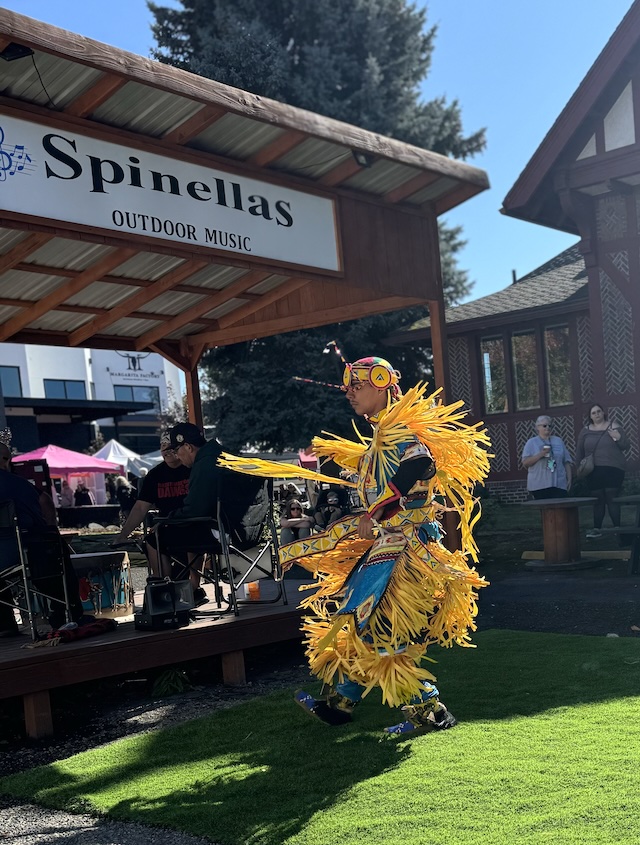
(96, 95)
(236, 334)
(22, 249)
(453, 198)
(217, 298)
(239, 314)
(48, 303)
(142, 297)
(194, 125)
(411, 186)
(278, 148)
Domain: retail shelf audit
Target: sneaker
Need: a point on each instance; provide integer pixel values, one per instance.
(594, 534)
(319, 709)
(438, 720)
(199, 597)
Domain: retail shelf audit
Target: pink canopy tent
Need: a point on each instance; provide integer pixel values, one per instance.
(64, 462)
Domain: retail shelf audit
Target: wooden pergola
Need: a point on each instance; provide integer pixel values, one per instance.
(329, 222)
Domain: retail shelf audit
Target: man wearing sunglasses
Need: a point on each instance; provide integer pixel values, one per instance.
(548, 463)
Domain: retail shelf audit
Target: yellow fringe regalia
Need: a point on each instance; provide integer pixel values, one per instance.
(377, 605)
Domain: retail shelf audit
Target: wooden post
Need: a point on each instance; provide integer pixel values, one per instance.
(233, 668)
(439, 348)
(194, 400)
(37, 714)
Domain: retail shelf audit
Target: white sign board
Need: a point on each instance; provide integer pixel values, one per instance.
(60, 174)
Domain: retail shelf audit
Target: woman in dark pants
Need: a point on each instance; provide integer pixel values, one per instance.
(606, 441)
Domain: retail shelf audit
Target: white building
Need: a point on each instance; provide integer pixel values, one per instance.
(64, 396)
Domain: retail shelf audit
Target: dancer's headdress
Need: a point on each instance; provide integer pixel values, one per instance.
(374, 371)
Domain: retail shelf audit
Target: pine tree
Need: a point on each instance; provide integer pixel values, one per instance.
(360, 61)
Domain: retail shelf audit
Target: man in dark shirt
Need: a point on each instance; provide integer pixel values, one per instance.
(163, 488)
(36, 515)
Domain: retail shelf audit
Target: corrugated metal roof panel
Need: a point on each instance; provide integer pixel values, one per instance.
(235, 137)
(268, 284)
(60, 321)
(63, 80)
(147, 265)
(10, 238)
(173, 302)
(129, 327)
(7, 312)
(312, 158)
(102, 295)
(433, 191)
(70, 254)
(383, 176)
(29, 287)
(216, 277)
(147, 110)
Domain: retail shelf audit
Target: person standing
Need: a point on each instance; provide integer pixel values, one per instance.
(548, 463)
(386, 587)
(606, 442)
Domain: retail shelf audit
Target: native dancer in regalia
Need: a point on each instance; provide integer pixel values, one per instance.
(386, 588)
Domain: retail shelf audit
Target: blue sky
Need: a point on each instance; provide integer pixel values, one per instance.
(511, 65)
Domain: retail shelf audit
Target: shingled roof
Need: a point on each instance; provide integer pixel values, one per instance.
(558, 286)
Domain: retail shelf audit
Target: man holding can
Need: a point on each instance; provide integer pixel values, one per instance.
(548, 463)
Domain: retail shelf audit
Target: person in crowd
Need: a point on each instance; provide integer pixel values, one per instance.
(36, 515)
(141, 478)
(332, 505)
(83, 496)
(548, 463)
(126, 495)
(606, 442)
(294, 523)
(66, 495)
(387, 587)
(110, 489)
(164, 489)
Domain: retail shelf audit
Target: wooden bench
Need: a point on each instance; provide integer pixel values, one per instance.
(634, 557)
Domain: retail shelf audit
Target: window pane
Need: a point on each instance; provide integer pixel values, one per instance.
(122, 393)
(525, 370)
(147, 394)
(556, 342)
(10, 379)
(493, 375)
(54, 389)
(76, 390)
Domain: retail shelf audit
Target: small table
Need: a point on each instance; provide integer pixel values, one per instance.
(560, 533)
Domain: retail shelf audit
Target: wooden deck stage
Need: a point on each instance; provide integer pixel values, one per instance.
(32, 672)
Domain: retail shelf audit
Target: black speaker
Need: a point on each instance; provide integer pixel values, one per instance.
(167, 604)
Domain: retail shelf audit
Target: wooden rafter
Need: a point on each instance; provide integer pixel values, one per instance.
(21, 250)
(282, 145)
(94, 97)
(236, 334)
(5, 40)
(142, 297)
(411, 186)
(194, 125)
(454, 198)
(268, 298)
(215, 299)
(87, 277)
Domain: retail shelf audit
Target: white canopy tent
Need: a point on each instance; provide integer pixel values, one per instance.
(129, 460)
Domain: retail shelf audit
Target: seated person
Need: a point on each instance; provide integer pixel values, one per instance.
(163, 488)
(294, 523)
(36, 515)
(208, 483)
(332, 505)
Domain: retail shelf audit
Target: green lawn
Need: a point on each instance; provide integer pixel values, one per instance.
(546, 752)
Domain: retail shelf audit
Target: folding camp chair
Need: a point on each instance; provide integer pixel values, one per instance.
(22, 568)
(244, 521)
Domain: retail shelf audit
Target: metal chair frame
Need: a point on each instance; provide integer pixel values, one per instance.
(24, 580)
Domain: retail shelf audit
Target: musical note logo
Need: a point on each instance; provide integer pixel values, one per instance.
(13, 159)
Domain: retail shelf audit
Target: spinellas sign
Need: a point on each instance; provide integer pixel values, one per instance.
(63, 175)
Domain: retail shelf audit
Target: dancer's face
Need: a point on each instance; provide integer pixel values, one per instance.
(365, 399)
